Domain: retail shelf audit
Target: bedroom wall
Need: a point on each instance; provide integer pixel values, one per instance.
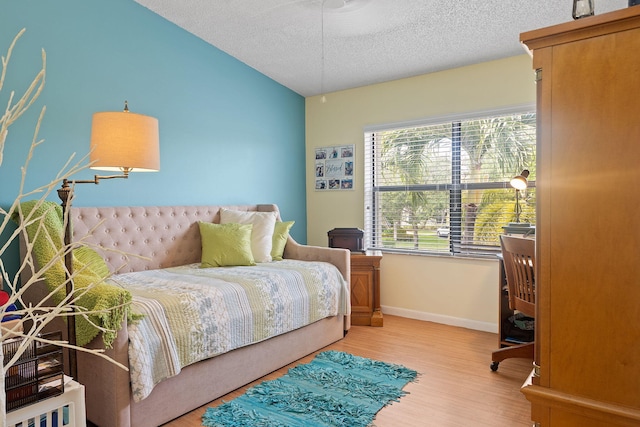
(228, 134)
(456, 291)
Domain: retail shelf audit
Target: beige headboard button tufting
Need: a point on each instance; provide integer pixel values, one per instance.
(153, 236)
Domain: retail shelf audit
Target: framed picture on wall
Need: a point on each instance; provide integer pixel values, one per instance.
(334, 167)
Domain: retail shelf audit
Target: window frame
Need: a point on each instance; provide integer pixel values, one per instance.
(455, 188)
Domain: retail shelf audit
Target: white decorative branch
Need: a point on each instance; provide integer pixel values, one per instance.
(42, 313)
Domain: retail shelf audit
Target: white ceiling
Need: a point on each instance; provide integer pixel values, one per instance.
(365, 41)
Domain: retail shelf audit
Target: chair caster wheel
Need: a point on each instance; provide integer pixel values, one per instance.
(494, 366)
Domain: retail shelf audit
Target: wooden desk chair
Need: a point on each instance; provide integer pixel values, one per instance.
(519, 264)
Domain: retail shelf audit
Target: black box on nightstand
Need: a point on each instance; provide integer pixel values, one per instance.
(347, 238)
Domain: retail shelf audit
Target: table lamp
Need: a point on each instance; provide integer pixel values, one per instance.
(519, 183)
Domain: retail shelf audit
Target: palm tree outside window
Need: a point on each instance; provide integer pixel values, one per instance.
(442, 186)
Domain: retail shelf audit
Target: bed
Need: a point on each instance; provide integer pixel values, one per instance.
(167, 243)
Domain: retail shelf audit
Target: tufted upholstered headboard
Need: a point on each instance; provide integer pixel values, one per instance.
(147, 237)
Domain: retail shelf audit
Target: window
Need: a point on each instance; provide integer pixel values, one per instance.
(443, 187)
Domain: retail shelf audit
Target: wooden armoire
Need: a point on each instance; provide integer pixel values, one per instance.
(587, 363)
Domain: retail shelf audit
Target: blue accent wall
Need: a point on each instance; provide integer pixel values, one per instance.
(228, 134)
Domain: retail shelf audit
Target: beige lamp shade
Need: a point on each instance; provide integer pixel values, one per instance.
(124, 141)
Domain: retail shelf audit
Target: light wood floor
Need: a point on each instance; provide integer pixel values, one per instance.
(456, 387)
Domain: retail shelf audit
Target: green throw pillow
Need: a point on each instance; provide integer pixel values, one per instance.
(280, 236)
(226, 244)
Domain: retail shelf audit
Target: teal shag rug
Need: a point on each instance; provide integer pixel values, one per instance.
(335, 389)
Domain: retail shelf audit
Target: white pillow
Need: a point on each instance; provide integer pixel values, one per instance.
(261, 233)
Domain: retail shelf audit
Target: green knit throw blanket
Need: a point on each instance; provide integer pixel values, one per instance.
(107, 303)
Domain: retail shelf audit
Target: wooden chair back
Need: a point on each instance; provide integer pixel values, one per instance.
(519, 263)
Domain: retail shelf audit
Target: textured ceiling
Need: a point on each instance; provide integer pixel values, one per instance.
(365, 41)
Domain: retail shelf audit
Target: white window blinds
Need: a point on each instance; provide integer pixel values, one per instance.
(443, 187)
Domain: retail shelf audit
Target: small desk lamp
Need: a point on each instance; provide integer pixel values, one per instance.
(519, 183)
(120, 141)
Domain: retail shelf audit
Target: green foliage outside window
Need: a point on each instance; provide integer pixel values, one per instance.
(445, 187)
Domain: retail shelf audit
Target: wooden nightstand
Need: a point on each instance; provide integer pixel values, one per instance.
(365, 289)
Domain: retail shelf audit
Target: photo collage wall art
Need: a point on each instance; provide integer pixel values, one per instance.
(334, 167)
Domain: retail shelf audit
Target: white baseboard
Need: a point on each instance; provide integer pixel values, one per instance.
(439, 318)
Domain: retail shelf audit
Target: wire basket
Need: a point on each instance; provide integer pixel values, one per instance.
(38, 373)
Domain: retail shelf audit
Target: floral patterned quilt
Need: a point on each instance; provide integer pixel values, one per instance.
(192, 313)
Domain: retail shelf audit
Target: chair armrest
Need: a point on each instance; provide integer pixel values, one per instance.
(341, 258)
